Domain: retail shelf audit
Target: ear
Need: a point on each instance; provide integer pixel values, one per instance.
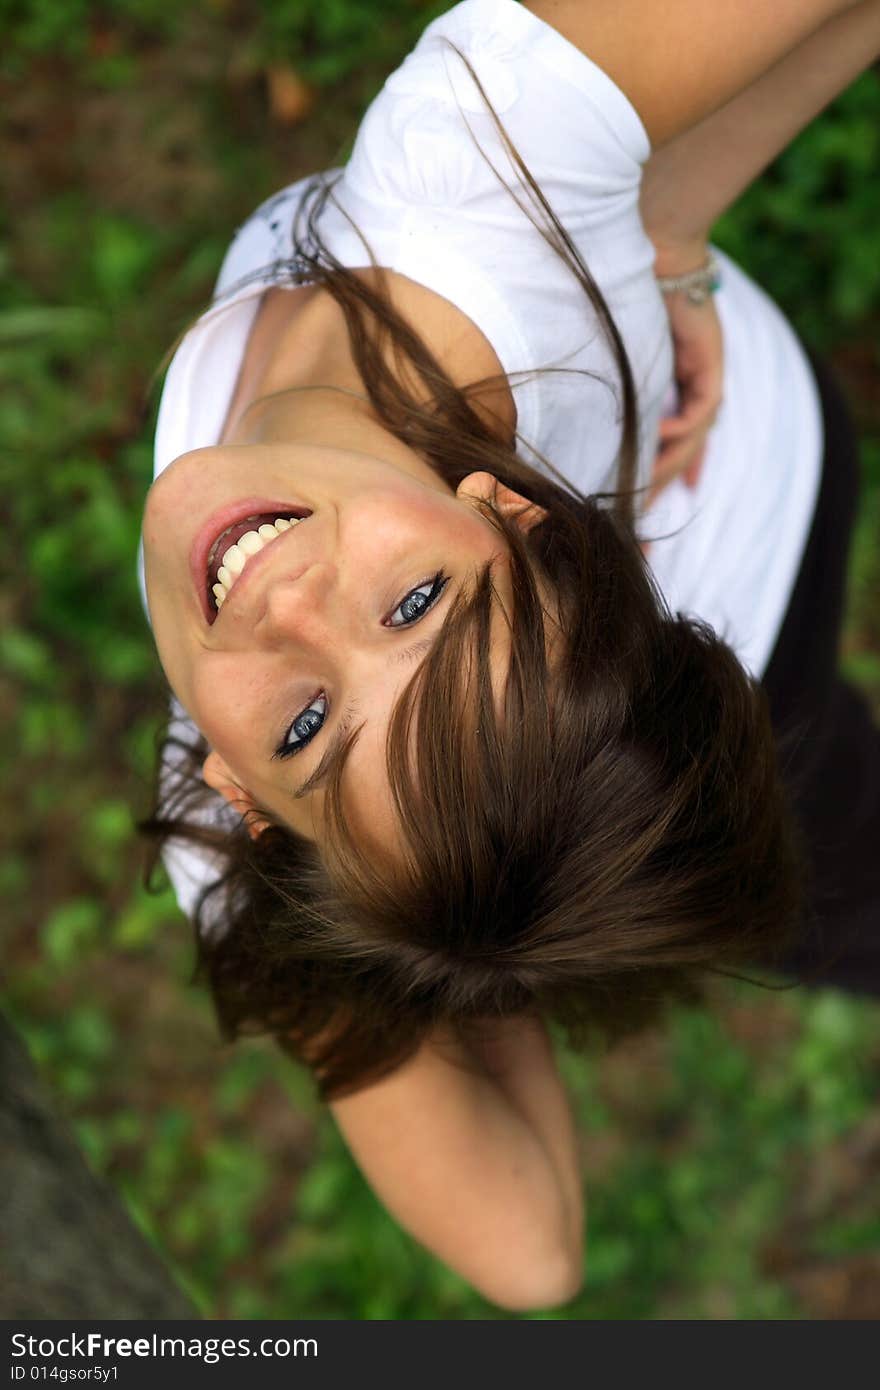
(487, 487)
(218, 775)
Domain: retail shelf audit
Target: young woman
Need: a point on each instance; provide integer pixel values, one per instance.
(436, 390)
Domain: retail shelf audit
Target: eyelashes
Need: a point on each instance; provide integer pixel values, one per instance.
(415, 610)
(306, 724)
(310, 720)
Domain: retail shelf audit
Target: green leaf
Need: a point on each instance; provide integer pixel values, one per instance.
(142, 920)
(71, 931)
(26, 656)
(50, 321)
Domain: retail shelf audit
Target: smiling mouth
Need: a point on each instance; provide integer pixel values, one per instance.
(234, 547)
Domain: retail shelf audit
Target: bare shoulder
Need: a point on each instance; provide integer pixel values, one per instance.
(680, 61)
(437, 1065)
(468, 1174)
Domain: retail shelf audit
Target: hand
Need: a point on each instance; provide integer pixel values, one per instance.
(699, 374)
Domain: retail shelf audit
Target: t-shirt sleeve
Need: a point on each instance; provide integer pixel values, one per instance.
(574, 128)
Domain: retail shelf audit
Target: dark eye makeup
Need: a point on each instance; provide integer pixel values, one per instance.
(310, 720)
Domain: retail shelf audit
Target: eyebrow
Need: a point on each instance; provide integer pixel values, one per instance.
(333, 752)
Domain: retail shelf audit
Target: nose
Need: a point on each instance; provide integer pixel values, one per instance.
(304, 608)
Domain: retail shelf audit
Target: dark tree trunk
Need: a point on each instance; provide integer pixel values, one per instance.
(68, 1248)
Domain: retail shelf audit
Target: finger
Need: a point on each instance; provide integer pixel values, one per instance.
(676, 451)
(677, 457)
(695, 413)
(694, 470)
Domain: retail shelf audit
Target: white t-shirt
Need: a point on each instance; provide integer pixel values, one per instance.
(431, 208)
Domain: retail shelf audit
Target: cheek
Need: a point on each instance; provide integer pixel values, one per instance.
(369, 804)
(226, 705)
(415, 517)
(173, 657)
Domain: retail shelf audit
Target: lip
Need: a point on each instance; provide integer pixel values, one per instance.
(218, 522)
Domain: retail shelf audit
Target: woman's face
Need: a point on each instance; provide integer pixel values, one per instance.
(326, 624)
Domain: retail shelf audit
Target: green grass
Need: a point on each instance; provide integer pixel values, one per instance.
(719, 1154)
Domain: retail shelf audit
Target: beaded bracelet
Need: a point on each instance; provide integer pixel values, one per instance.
(697, 284)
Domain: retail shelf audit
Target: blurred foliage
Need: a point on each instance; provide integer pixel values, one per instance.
(331, 42)
(136, 136)
(808, 227)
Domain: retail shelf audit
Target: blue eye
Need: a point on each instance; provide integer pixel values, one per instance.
(304, 727)
(310, 721)
(418, 601)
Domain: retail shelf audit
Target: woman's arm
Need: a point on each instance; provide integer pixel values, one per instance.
(484, 1179)
(517, 1053)
(688, 183)
(679, 61)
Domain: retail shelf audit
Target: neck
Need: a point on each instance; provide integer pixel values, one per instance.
(299, 385)
(298, 371)
(326, 414)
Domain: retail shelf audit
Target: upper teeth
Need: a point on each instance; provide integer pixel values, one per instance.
(236, 557)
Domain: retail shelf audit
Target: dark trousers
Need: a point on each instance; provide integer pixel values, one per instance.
(828, 742)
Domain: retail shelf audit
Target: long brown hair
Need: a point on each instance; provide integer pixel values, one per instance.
(587, 851)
